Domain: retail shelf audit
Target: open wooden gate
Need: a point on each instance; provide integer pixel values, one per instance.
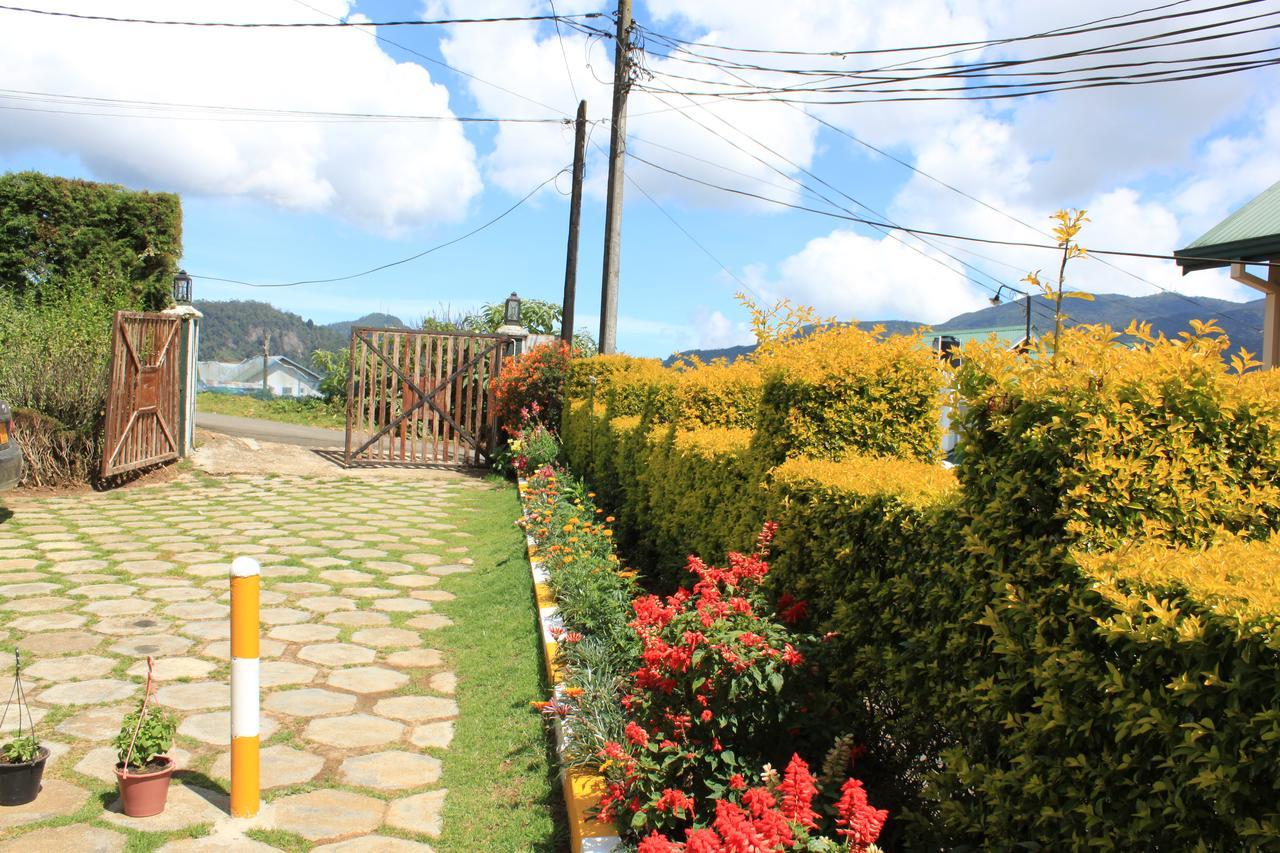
(421, 397)
(143, 397)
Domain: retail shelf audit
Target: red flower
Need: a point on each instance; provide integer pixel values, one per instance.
(798, 790)
(738, 832)
(636, 734)
(655, 843)
(737, 783)
(859, 823)
(703, 841)
(676, 802)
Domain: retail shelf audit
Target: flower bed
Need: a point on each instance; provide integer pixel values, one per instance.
(670, 712)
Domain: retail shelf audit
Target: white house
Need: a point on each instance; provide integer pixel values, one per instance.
(285, 377)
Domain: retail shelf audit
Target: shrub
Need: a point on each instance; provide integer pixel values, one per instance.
(719, 691)
(697, 492)
(120, 246)
(537, 376)
(868, 549)
(844, 390)
(54, 375)
(1109, 443)
(534, 446)
(688, 395)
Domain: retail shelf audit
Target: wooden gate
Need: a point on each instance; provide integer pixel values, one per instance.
(143, 396)
(421, 397)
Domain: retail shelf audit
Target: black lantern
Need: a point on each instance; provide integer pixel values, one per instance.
(511, 311)
(182, 288)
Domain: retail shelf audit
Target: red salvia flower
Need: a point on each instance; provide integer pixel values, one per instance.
(797, 791)
(858, 821)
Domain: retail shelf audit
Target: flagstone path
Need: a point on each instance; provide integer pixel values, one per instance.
(357, 710)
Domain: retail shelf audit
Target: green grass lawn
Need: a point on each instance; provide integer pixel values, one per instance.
(503, 792)
(307, 412)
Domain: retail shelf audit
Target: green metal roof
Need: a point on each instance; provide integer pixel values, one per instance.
(1250, 233)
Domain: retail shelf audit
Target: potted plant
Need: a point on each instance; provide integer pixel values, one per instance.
(144, 770)
(21, 759)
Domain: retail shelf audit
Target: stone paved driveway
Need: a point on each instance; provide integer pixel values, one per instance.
(357, 708)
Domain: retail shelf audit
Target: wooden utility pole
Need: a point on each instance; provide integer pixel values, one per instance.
(266, 352)
(575, 216)
(613, 202)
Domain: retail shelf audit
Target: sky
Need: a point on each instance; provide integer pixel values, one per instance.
(273, 198)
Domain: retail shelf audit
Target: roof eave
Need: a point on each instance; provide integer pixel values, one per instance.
(1237, 251)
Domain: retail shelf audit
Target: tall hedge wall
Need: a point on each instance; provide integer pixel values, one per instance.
(1072, 641)
(59, 232)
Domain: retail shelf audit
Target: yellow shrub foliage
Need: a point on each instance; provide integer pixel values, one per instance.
(910, 481)
(1234, 577)
(845, 389)
(1160, 440)
(689, 395)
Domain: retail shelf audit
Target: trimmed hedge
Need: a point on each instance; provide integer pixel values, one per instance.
(1094, 717)
(1073, 642)
(57, 233)
(847, 390)
(711, 395)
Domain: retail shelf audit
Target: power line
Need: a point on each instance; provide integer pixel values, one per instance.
(439, 62)
(381, 267)
(941, 234)
(952, 69)
(262, 113)
(563, 53)
(1062, 31)
(304, 24)
(1184, 297)
(793, 179)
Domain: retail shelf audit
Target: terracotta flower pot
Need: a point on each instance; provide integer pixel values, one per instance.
(19, 783)
(144, 794)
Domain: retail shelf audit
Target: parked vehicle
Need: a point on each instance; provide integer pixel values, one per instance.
(10, 453)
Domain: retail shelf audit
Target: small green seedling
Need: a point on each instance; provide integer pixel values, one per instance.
(22, 750)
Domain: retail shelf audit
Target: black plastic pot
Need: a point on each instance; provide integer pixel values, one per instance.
(19, 783)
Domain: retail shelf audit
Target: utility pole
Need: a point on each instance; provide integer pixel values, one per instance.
(613, 202)
(575, 216)
(266, 352)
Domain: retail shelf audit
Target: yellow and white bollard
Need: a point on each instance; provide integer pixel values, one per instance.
(245, 583)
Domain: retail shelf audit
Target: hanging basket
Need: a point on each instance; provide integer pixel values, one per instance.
(20, 783)
(20, 780)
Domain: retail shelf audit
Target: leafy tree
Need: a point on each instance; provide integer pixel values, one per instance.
(333, 366)
(123, 244)
(538, 316)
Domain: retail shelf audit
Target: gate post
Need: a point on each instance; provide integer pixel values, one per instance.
(189, 375)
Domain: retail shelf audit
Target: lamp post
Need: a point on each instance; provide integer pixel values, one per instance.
(511, 324)
(995, 300)
(182, 288)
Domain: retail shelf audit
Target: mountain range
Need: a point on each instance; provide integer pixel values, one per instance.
(1168, 312)
(233, 331)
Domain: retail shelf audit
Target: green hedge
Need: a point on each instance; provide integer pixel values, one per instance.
(1073, 643)
(59, 232)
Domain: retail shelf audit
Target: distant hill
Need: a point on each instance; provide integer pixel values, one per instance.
(1166, 312)
(375, 321)
(233, 330)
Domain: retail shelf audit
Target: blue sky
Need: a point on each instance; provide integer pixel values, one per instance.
(278, 202)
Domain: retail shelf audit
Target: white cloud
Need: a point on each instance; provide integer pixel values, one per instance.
(385, 176)
(860, 278)
(716, 331)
